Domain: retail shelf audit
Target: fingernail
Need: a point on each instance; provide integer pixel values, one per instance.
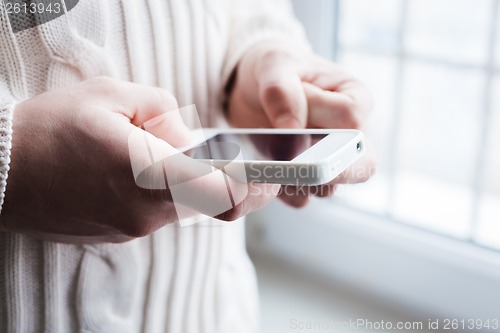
(287, 121)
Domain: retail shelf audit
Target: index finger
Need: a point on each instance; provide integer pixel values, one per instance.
(195, 186)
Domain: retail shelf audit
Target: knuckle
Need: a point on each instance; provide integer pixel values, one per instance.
(298, 201)
(295, 201)
(301, 202)
(232, 214)
(102, 85)
(136, 227)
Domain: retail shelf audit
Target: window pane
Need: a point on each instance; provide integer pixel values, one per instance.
(489, 216)
(442, 112)
(371, 196)
(368, 23)
(433, 204)
(437, 148)
(449, 29)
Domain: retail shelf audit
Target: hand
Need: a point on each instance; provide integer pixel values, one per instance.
(71, 172)
(280, 86)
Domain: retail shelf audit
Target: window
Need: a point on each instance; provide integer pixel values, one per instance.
(424, 233)
(433, 67)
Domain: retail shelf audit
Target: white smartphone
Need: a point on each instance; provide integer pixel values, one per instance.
(279, 156)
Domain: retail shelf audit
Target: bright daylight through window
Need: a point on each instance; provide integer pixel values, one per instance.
(436, 124)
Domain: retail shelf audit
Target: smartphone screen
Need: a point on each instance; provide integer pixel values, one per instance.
(277, 147)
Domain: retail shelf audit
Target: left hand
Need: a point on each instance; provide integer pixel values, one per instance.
(280, 86)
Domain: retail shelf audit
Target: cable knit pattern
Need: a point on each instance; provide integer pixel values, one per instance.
(6, 111)
(179, 280)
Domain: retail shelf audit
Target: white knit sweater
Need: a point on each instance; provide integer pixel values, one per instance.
(194, 279)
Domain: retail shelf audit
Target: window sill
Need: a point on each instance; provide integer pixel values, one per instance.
(424, 272)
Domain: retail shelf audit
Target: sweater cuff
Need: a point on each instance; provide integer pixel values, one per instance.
(6, 114)
(255, 38)
(257, 21)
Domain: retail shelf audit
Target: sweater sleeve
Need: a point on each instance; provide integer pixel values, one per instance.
(255, 21)
(6, 113)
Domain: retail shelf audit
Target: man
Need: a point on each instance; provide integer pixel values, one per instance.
(82, 247)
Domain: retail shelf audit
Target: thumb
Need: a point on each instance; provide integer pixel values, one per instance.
(281, 93)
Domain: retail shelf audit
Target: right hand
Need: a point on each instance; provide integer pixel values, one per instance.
(70, 175)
